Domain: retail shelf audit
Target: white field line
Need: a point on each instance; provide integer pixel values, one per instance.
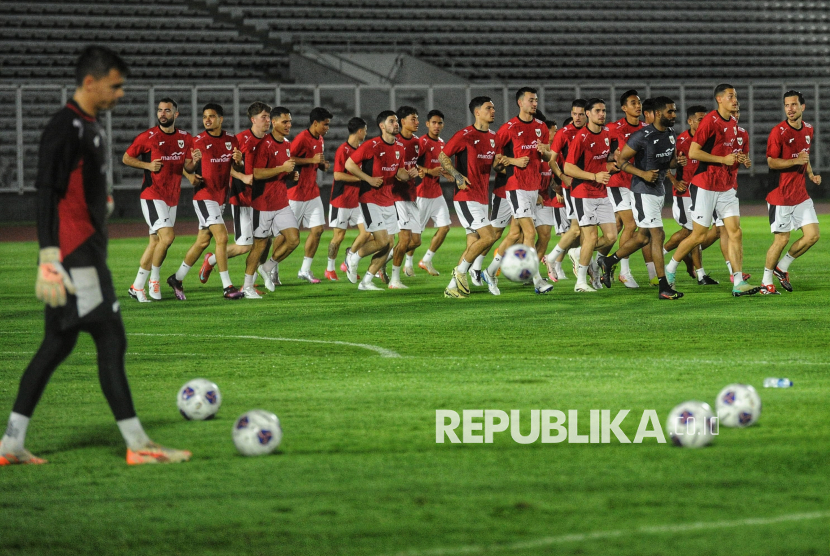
(598, 535)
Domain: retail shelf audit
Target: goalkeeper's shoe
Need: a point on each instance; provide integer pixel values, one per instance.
(23, 457)
(741, 289)
(783, 278)
(153, 453)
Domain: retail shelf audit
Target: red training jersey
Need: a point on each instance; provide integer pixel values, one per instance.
(718, 137)
(407, 190)
(305, 145)
(173, 149)
(619, 132)
(271, 194)
(546, 187)
(741, 146)
(787, 142)
(685, 173)
(344, 194)
(516, 139)
(248, 142)
(589, 151)
(474, 151)
(429, 149)
(379, 159)
(561, 141)
(215, 166)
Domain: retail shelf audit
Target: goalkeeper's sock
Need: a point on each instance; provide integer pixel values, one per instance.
(15, 436)
(133, 433)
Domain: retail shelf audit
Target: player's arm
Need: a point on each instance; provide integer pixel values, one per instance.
(153, 166)
(460, 181)
(627, 153)
(354, 169)
(268, 173)
(247, 179)
(815, 178)
(194, 178)
(696, 152)
(344, 176)
(784, 163)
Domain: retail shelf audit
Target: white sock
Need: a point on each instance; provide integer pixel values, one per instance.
(652, 272)
(453, 284)
(226, 279)
(464, 266)
(624, 268)
(141, 278)
(249, 280)
(428, 256)
(390, 255)
(155, 271)
(582, 274)
(494, 266)
(700, 273)
(269, 265)
(538, 280)
(133, 433)
(408, 260)
(367, 278)
(306, 264)
(557, 266)
(355, 259)
(784, 263)
(15, 436)
(737, 277)
(767, 280)
(478, 263)
(330, 265)
(212, 260)
(182, 272)
(672, 266)
(556, 253)
(664, 251)
(396, 273)
(729, 267)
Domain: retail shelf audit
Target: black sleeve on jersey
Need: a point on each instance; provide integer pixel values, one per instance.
(57, 157)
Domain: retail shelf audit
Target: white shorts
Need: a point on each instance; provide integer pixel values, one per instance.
(680, 210)
(243, 227)
(621, 198)
(593, 212)
(269, 223)
(435, 209)
(523, 203)
(309, 214)
(710, 205)
(500, 213)
(376, 217)
(648, 210)
(563, 223)
(343, 218)
(570, 210)
(545, 216)
(158, 214)
(209, 213)
(409, 217)
(473, 215)
(788, 218)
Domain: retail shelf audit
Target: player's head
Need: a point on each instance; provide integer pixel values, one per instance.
(357, 128)
(630, 103)
(482, 108)
(435, 122)
(567, 121)
(578, 115)
(260, 115)
(100, 74)
(408, 119)
(648, 110)
(212, 116)
(280, 120)
(388, 122)
(695, 115)
(726, 96)
(167, 112)
(527, 100)
(595, 109)
(794, 105)
(549, 123)
(665, 111)
(319, 120)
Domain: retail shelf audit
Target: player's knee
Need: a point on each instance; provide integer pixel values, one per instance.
(812, 239)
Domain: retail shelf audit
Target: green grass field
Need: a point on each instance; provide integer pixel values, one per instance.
(359, 471)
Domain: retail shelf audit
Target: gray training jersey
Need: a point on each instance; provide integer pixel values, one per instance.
(655, 151)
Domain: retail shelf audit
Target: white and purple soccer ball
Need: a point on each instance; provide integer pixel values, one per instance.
(199, 400)
(520, 263)
(257, 432)
(691, 424)
(738, 405)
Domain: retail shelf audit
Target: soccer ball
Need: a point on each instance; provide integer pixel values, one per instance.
(520, 263)
(738, 405)
(257, 432)
(691, 424)
(199, 400)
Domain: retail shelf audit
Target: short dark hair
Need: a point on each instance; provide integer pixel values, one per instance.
(692, 110)
(794, 93)
(383, 115)
(721, 88)
(432, 113)
(355, 125)
(406, 111)
(550, 123)
(661, 102)
(215, 107)
(579, 103)
(648, 105)
(628, 93)
(279, 111)
(168, 100)
(591, 102)
(478, 102)
(521, 92)
(97, 61)
(567, 121)
(258, 108)
(319, 114)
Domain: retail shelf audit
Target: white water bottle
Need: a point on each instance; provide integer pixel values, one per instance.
(772, 382)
